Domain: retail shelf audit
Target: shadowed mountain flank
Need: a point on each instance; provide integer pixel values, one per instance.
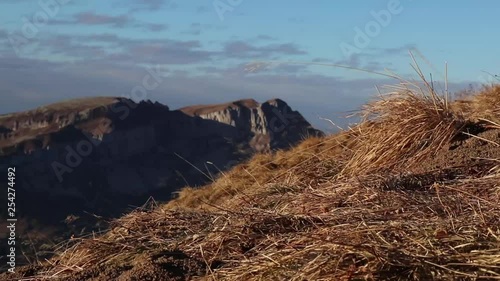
(106, 155)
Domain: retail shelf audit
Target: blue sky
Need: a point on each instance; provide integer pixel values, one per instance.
(58, 49)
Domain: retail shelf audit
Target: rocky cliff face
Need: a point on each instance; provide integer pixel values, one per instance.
(271, 125)
(102, 155)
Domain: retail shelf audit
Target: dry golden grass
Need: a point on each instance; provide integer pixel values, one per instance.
(410, 123)
(365, 229)
(342, 207)
(302, 162)
(483, 105)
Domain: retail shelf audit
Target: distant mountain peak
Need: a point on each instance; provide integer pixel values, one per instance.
(102, 155)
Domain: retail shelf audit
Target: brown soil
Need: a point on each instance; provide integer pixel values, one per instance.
(163, 266)
(471, 155)
(22, 272)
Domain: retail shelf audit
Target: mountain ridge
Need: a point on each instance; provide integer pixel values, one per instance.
(103, 155)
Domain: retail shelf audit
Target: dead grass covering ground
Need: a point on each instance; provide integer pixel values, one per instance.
(483, 105)
(348, 230)
(315, 160)
(344, 207)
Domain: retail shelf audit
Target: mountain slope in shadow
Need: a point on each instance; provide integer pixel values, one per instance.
(79, 161)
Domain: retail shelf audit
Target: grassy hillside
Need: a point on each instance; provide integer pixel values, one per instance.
(410, 193)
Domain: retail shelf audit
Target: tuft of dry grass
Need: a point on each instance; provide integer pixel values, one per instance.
(483, 105)
(403, 128)
(410, 123)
